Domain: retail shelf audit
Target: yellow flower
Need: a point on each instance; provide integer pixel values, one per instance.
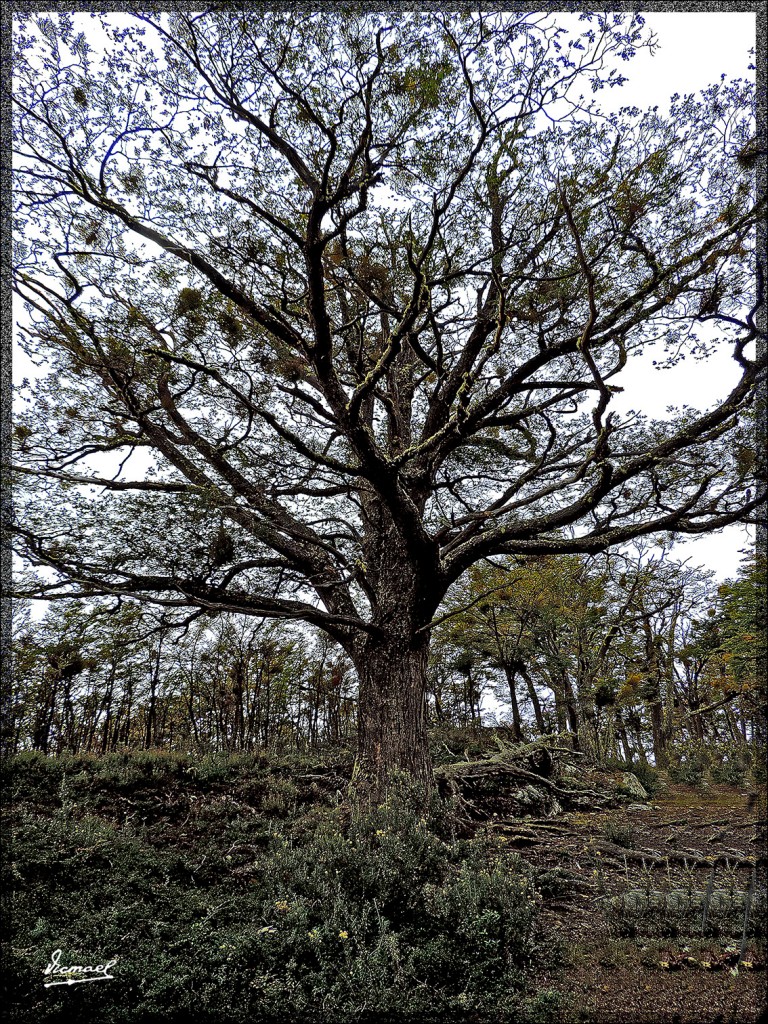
(381, 831)
(343, 935)
(282, 906)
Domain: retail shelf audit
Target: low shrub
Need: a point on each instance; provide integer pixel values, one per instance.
(338, 915)
(620, 834)
(759, 771)
(689, 763)
(730, 763)
(30, 770)
(648, 776)
(555, 882)
(726, 763)
(543, 1008)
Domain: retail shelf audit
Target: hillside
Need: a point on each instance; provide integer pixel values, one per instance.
(251, 888)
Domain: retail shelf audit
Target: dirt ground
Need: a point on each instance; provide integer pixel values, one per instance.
(647, 904)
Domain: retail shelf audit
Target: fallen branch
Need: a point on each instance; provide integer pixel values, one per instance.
(495, 766)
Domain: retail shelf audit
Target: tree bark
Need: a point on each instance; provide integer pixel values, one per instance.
(536, 703)
(391, 660)
(571, 709)
(392, 718)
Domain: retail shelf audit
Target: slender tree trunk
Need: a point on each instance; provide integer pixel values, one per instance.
(733, 725)
(560, 716)
(107, 727)
(128, 709)
(191, 697)
(66, 737)
(621, 732)
(438, 705)
(238, 724)
(150, 737)
(657, 732)
(571, 710)
(538, 714)
(655, 699)
(517, 726)
(42, 732)
(742, 720)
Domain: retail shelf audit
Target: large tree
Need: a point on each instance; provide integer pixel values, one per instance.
(354, 293)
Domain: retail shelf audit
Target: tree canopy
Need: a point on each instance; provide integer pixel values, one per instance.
(354, 294)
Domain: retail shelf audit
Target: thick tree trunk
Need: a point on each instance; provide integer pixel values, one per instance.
(392, 719)
(391, 662)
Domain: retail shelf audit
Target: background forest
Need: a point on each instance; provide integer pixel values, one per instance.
(634, 658)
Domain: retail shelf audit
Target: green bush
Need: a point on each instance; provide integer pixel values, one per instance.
(544, 1008)
(30, 770)
(280, 796)
(554, 882)
(759, 770)
(730, 763)
(647, 775)
(337, 915)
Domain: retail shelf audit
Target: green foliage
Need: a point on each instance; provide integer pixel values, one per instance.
(744, 622)
(760, 769)
(543, 1008)
(31, 768)
(730, 763)
(554, 882)
(190, 300)
(332, 915)
(725, 762)
(688, 763)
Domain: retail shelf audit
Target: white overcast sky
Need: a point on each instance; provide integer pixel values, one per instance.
(694, 50)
